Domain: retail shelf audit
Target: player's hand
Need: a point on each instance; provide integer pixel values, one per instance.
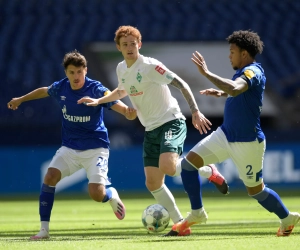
(88, 101)
(14, 103)
(212, 92)
(200, 122)
(200, 62)
(130, 113)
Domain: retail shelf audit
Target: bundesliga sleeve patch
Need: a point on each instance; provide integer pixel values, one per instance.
(249, 73)
(160, 70)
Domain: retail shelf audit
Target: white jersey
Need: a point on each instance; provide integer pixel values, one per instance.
(146, 85)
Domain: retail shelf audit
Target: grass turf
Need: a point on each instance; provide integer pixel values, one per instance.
(233, 223)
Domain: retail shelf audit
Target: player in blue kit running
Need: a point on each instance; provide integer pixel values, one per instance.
(85, 142)
(146, 82)
(240, 137)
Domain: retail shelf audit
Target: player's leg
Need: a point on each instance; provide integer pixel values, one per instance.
(95, 161)
(154, 176)
(58, 169)
(171, 146)
(209, 150)
(248, 157)
(163, 196)
(272, 202)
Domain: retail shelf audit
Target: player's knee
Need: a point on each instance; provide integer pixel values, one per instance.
(153, 184)
(195, 159)
(168, 169)
(52, 177)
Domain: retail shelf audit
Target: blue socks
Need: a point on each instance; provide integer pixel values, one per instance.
(192, 184)
(271, 201)
(108, 195)
(46, 202)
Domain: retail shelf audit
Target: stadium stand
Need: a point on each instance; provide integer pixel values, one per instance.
(35, 34)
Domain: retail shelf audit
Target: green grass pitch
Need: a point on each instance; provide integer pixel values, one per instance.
(234, 223)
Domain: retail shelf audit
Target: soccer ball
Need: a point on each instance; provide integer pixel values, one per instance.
(155, 218)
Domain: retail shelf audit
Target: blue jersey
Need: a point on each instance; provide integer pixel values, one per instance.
(242, 113)
(82, 126)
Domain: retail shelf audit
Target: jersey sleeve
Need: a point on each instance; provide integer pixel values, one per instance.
(103, 91)
(159, 73)
(53, 89)
(120, 85)
(249, 76)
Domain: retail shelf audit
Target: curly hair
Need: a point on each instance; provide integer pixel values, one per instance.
(127, 31)
(74, 58)
(247, 40)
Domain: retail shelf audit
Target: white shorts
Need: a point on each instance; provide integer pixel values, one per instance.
(248, 157)
(94, 161)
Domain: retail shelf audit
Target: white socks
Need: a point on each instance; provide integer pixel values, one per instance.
(45, 224)
(205, 171)
(164, 197)
(178, 167)
(198, 212)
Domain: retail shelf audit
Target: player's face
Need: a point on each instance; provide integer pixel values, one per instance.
(129, 46)
(235, 56)
(76, 76)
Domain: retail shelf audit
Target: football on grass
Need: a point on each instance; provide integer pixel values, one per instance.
(155, 218)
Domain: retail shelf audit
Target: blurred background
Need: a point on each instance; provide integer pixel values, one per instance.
(35, 35)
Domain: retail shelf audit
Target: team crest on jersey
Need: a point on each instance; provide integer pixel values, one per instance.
(123, 80)
(63, 98)
(160, 70)
(139, 77)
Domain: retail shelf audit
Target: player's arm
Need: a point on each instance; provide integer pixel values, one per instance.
(213, 92)
(39, 93)
(230, 87)
(123, 109)
(116, 94)
(200, 122)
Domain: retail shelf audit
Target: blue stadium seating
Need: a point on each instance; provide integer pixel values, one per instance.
(35, 34)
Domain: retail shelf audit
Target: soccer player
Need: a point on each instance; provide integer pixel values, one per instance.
(85, 142)
(240, 137)
(145, 80)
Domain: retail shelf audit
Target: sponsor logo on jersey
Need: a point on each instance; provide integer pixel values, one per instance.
(160, 70)
(123, 80)
(135, 92)
(73, 118)
(63, 98)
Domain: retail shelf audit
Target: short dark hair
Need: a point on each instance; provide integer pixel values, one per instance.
(247, 40)
(74, 58)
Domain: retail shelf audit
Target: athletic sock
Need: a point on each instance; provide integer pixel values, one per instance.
(46, 203)
(178, 167)
(108, 195)
(205, 171)
(192, 184)
(271, 201)
(197, 212)
(45, 224)
(164, 197)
